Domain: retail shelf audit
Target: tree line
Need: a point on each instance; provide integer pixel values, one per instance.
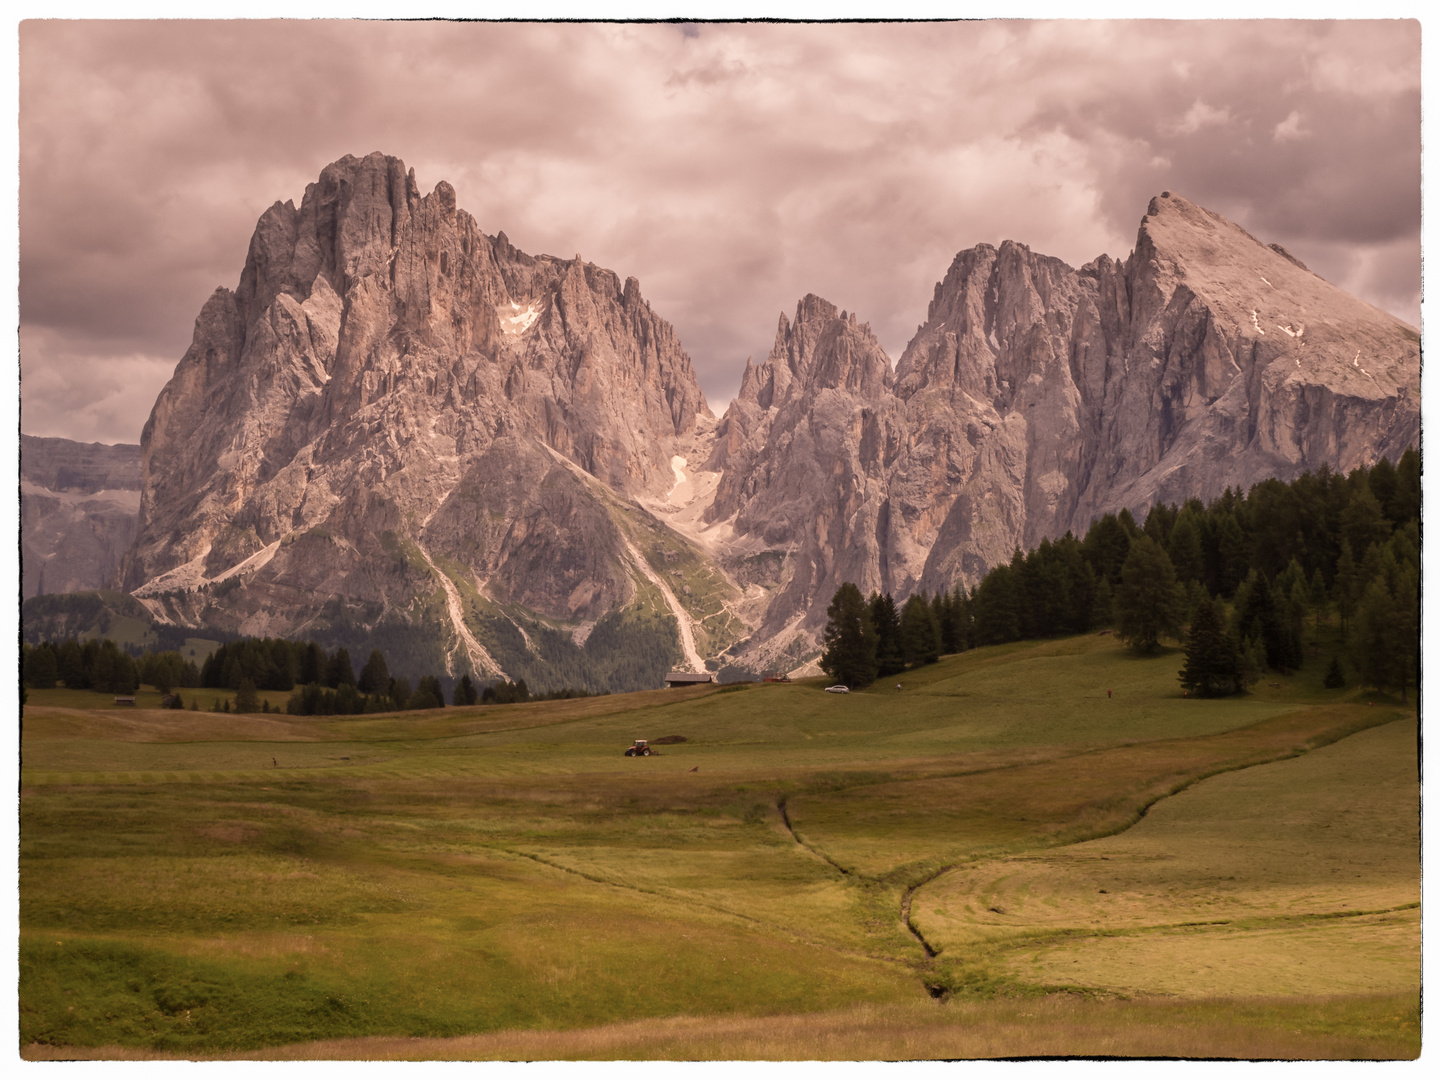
(1245, 569)
(102, 665)
(319, 682)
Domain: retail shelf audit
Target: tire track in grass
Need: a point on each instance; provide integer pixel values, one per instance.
(1250, 922)
(934, 989)
(1317, 741)
(790, 828)
(768, 925)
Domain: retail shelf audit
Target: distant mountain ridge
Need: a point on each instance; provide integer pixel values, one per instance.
(78, 507)
(399, 428)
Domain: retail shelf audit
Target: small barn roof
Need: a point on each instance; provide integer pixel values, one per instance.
(681, 678)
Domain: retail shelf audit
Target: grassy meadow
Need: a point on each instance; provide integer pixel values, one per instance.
(1038, 848)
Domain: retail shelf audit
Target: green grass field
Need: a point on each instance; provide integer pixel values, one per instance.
(883, 874)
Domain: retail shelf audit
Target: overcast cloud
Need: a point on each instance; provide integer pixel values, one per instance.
(730, 168)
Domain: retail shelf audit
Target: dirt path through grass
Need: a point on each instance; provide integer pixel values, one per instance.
(1298, 874)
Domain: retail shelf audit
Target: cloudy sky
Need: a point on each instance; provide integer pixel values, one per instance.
(731, 168)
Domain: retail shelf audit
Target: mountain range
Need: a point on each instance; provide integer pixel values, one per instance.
(401, 431)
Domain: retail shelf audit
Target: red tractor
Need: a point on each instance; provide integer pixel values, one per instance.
(641, 748)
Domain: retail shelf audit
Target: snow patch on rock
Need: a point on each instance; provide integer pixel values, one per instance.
(515, 320)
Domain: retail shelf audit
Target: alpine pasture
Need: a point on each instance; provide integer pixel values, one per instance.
(1037, 848)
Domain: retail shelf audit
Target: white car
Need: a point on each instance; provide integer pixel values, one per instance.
(837, 689)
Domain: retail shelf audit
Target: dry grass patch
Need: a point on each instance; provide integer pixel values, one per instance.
(1318, 1028)
(1356, 955)
(877, 829)
(1283, 855)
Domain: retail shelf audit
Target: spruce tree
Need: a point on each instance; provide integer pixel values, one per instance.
(1347, 580)
(919, 634)
(1106, 546)
(1334, 675)
(1252, 661)
(1376, 643)
(465, 692)
(886, 622)
(375, 675)
(40, 667)
(849, 639)
(312, 663)
(428, 694)
(964, 620)
(1319, 597)
(1232, 555)
(339, 672)
(399, 692)
(1183, 547)
(1212, 663)
(246, 699)
(1406, 504)
(1102, 615)
(1362, 522)
(1147, 603)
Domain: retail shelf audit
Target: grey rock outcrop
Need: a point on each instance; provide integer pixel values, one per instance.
(803, 452)
(379, 417)
(399, 429)
(78, 508)
(1036, 397)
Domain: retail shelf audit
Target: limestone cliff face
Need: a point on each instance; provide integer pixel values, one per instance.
(78, 504)
(1036, 397)
(392, 397)
(1206, 360)
(803, 452)
(399, 424)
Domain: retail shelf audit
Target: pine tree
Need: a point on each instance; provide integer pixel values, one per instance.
(312, 664)
(1347, 580)
(1406, 504)
(1212, 663)
(1252, 661)
(399, 692)
(886, 622)
(1405, 631)
(1102, 615)
(246, 699)
(1184, 549)
(339, 672)
(1376, 643)
(1147, 601)
(1319, 597)
(1334, 675)
(1232, 555)
(919, 634)
(1363, 522)
(849, 639)
(1106, 546)
(465, 692)
(40, 667)
(375, 675)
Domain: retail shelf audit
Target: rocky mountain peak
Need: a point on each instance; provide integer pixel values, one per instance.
(397, 421)
(823, 348)
(340, 410)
